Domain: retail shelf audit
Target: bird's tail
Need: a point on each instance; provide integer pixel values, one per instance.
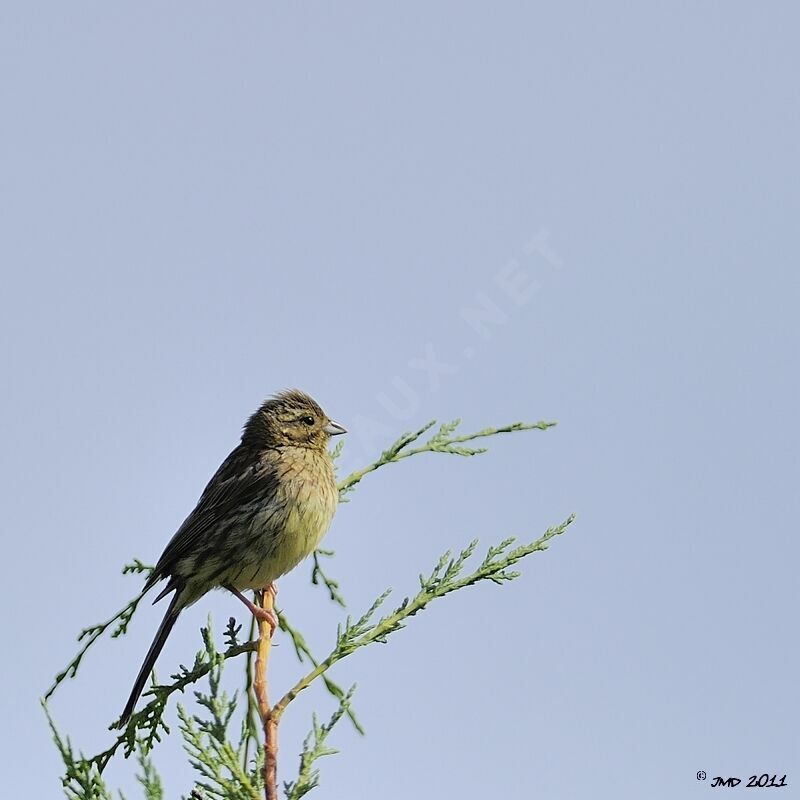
(152, 654)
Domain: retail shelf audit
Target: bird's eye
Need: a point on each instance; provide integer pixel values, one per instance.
(307, 420)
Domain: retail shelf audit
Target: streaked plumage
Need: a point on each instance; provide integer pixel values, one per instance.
(266, 509)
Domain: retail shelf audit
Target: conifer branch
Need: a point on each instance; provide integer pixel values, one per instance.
(440, 442)
(220, 765)
(94, 632)
(445, 578)
(319, 577)
(149, 717)
(314, 748)
(149, 778)
(304, 654)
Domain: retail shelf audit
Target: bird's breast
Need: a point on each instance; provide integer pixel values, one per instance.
(293, 524)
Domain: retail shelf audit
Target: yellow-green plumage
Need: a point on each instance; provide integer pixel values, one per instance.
(308, 497)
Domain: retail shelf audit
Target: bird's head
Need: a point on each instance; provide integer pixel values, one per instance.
(291, 418)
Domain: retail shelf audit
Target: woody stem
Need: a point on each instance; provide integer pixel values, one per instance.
(267, 603)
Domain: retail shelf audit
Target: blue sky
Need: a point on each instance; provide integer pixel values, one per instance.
(584, 213)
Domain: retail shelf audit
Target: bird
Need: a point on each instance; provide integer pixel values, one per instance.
(265, 509)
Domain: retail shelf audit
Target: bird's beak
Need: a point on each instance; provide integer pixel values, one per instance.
(334, 428)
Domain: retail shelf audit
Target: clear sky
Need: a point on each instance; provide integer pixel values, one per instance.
(583, 211)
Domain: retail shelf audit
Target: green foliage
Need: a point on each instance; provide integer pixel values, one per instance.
(319, 577)
(81, 780)
(230, 767)
(224, 768)
(91, 634)
(440, 442)
(149, 778)
(314, 748)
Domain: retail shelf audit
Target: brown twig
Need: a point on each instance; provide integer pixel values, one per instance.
(267, 602)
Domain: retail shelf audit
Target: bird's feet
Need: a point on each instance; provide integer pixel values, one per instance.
(261, 614)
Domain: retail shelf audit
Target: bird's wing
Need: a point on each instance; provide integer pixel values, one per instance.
(241, 481)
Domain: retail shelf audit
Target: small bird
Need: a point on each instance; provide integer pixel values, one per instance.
(266, 508)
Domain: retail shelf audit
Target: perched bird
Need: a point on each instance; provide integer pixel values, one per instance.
(263, 512)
